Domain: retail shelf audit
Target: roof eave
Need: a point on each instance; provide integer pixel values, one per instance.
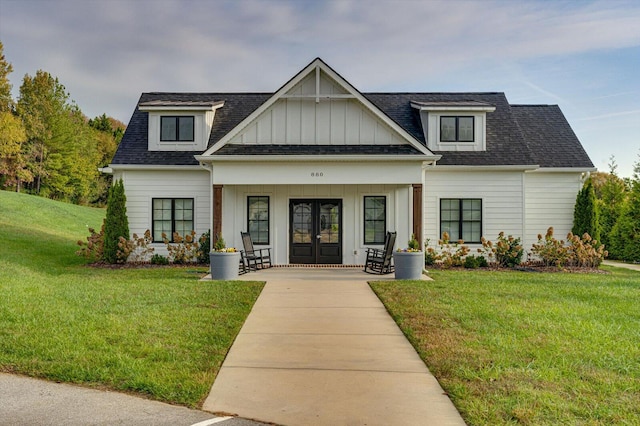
(316, 158)
(565, 170)
(115, 167)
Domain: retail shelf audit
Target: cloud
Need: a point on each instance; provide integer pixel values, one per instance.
(610, 115)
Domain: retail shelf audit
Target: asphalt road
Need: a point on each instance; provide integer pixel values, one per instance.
(27, 401)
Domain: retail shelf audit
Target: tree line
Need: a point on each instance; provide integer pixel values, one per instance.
(608, 209)
(48, 147)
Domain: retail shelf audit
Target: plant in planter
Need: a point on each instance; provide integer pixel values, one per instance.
(225, 261)
(409, 262)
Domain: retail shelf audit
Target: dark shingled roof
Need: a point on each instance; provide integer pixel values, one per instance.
(551, 139)
(505, 144)
(516, 135)
(133, 147)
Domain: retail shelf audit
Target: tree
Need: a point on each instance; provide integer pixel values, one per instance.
(61, 150)
(116, 224)
(625, 236)
(585, 215)
(13, 166)
(6, 102)
(108, 133)
(611, 193)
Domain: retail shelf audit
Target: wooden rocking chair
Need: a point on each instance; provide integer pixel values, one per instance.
(255, 258)
(379, 261)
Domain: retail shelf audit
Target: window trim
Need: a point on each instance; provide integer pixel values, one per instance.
(177, 118)
(460, 220)
(173, 216)
(365, 221)
(257, 242)
(457, 129)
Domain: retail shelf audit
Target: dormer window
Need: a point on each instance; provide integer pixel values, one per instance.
(179, 125)
(456, 129)
(454, 125)
(176, 128)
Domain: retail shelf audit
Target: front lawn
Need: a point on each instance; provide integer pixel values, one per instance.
(527, 348)
(157, 331)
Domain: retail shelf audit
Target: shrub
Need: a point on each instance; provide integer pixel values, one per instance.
(551, 251)
(448, 254)
(137, 249)
(158, 259)
(220, 244)
(430, 255)
(474, 262)
(508, 250)
(413, 244)
(205, 247)
(183, 249)
(94, 247)
(578, 251)
(585, 252)
(585, 215)
(116, 222)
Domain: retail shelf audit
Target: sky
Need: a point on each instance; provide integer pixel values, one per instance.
(581, 55)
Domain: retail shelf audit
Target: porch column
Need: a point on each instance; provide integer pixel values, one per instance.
(217, 213)
(417, 212)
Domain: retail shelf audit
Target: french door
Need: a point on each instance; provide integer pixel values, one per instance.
(315, 231)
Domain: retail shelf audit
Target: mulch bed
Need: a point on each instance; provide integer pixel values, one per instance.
(526, 267)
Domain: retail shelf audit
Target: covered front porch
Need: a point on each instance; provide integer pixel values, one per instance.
(316, 213)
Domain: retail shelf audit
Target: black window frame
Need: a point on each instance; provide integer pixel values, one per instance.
(461, 220)
(365, 221)
(255, 239)
(457, 128)
(177, 119)
(173, 217)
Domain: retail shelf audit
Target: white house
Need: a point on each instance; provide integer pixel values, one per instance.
(318, 171)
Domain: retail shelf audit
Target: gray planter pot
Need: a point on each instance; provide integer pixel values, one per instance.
(408, 264)
(224, 266)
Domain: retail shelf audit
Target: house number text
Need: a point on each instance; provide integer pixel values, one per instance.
(317, 174)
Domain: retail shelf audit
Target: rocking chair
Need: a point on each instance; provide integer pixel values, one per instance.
(255, 258)
(379, 261)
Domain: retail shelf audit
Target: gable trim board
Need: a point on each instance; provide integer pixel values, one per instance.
(319, 138)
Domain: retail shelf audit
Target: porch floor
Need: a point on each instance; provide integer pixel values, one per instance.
(320, 348)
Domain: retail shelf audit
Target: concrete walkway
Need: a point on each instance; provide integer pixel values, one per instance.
(632, 266)
(319, 348)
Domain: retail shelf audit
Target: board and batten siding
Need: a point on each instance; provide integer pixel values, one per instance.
(317, 112)
(550, 200)
(501, 194)
(328, 122)
(142, 186)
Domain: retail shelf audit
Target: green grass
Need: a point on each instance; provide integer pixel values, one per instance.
(158, 331)
(527, 348)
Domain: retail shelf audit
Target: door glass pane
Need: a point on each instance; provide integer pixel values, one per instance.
(329, 223)
(301, 223)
